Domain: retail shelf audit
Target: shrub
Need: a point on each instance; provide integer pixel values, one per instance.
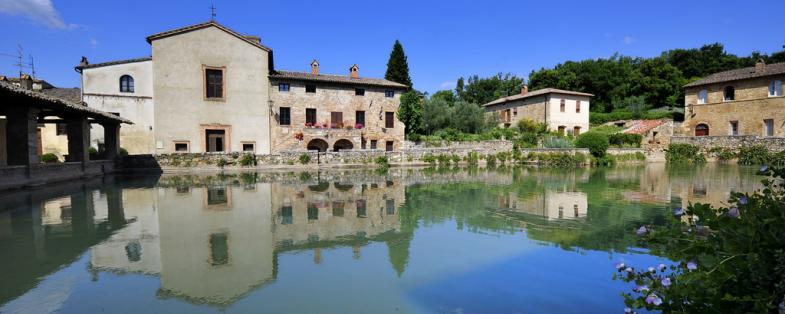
(305, 158)
(625, 139)
(502, 157)
(556, 142)
(382, 162)
(726, 260)
(221, 162)
(722, 154)
(683, 153)
(597, 143)
(529, 126)
(472, 158)
(248, 160)
(49, 158)
(92, 152)
(778, 159)
(123, 152)
(444, 160)
(456, 159)
(431, 159)
(490, 160)
(754, 155)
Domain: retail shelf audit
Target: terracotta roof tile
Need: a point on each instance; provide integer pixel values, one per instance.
(58, 103)
(104, 64)
(337, 79)
(740, 74)
(194, 27)
(535, 93)
(643, 126)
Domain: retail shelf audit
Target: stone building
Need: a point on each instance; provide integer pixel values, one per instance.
(207, 88)
(566, 112)
(746, 101)
(321, 111)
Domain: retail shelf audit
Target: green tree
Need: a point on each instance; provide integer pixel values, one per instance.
(398, 66)
(436, 115)
(410, 112)
(481, 90)
(446, 95)
(467, 117)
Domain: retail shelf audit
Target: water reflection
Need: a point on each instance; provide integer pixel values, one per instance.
(214, 240)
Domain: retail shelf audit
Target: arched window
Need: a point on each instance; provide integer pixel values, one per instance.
(126, 84)
(730, 93)
(702, 130)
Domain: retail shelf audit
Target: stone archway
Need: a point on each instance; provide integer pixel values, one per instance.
(318, 144)
(342, 144)
(702, 129)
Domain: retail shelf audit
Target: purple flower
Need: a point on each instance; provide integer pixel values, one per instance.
(733, 212)
(628, 269)
(764, 168)
(652, 270)
(743, 200)
(641, 231)
(627, 310)
(666, 281)
(662, 267)
(653, 299)
(691, 265)
(641, 288)
(678, 212)
(619, 266)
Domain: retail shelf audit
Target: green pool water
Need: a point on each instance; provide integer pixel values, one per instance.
(506, 240)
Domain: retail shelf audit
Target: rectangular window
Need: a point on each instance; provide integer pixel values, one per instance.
(338, 209)
(390, 206)
(359, 119)
(388, 146)
(217, 196)
(578, 106)
(61, 129)
(703, 96)
(181, 147)
(286, 215)
(361, 208)
(313, 212)
(310, 116)
(775, 88)
(214, 83)
(562, 106)
(576, 131)
(219, 249)
(336, 120)
(285, 116)
(734, 128)
(768, 127)
(215, 140)
(249, 147)
(373, 144)
(389, 93)
(359, 92)
(310, 88)
(389, 119)
(283, 87)
(514, 112)
(562, 129)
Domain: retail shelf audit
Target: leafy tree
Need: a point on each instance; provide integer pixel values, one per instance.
(467, 117)
(484, 90)
(436, 115)
(410, 112)
(398, 66)
(446, 95)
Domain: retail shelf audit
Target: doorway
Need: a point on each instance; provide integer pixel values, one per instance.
(216, 139)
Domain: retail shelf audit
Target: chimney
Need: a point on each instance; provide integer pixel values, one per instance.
(315, 67)
(524, 89)
(83, 62)
(354, 71)
(760, 66)
(26, 82)
(254, 39)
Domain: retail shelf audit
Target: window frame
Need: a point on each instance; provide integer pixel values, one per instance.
(577, 106)
(357, 115)
(563, 105)
(284, 87)
(389, 93)
(253, 146)
(187, 147)
(308, 116)
(775, 88)
(703, 96)
(731, 125)
(359, 92)
(768, 127)
(61, 129)
(389, 119)
(725, 93)
(128, 85)
(288, 116)
(311, 87)
(205, 84)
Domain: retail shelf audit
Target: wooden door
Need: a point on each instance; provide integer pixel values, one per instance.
(216, 139)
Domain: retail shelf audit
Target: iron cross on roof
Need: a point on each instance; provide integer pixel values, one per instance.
(212, 12)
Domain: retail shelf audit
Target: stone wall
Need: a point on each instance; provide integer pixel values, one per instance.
(705, 143)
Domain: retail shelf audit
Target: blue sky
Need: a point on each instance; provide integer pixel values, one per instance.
(443, 39)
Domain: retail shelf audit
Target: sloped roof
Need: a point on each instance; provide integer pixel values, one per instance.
(69, 94)
(643, 126)
(535, 93)
(104, 64)
(195, 27)
(740, 74)
(44, 84)
(337, 79)
(55, 103)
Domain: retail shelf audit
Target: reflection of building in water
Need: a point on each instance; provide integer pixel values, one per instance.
(217, 243)
(551, 204)
(713, 184)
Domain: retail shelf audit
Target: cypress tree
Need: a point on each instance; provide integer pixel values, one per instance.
(398, 67)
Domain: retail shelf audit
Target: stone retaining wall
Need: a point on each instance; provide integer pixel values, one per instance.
(705, 143)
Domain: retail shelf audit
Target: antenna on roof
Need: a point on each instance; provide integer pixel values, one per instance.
(212, 12)
(32, 66)
(19, 54)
